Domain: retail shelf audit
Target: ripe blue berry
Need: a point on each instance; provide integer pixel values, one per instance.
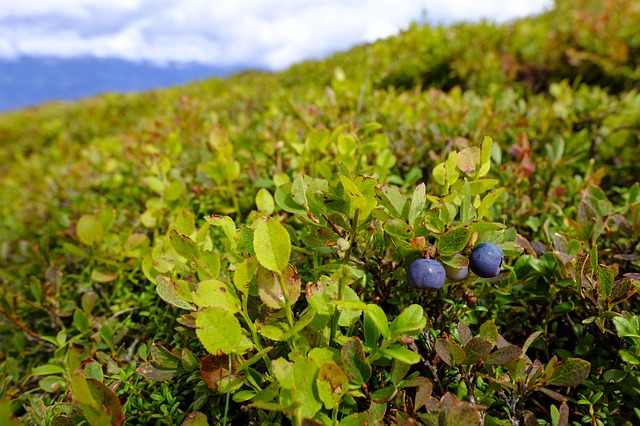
(485, 260)
(456, 274)
(426, 273)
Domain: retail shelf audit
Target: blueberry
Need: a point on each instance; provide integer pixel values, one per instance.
(485, 260)
(456, 274)
(426, 273)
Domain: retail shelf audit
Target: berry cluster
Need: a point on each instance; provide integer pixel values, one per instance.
(485, 261)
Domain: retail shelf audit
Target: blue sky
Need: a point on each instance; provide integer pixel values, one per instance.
(267, 34)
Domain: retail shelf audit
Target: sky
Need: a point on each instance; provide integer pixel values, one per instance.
(266, 34)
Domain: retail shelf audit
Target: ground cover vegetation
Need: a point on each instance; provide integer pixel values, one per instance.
(239, 250)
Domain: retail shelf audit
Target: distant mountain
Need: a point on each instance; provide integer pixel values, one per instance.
(29, 81)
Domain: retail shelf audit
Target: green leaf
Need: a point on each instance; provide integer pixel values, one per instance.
(214, 293)
(102, 276)
(605, 281)
(453, 241)
(570, 372)
(480, 186)
(196, 418)
(218, 330)
(401, 354)
(272, 244)
(167, 290)
(398, 228)
(393, 200)
(451, 168)
(354, 362)
(468, 160)
(433, 223)
(379, 318)
(532, 338)
(285, 201)
(488, 201)
(184, 245)
(89, 230)
(440, 174)
(486, 148)
(264, 201)
(354, 196)
(97, 402)
(489, 332)
(410, 322)
(384, 395)
(332, 383)
(244, 273)
(45, 370)
(467, 213)
(627, 326)
(163, 358)
(418, 200)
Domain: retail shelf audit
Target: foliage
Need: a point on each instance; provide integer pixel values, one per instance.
(236, 250)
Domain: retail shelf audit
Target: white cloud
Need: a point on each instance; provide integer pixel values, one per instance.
(258, 33)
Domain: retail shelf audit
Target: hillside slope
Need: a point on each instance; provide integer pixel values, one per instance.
(102, 220)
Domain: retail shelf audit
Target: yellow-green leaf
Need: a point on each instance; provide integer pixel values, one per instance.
(89, 230)
(218, 330)
(272, 244)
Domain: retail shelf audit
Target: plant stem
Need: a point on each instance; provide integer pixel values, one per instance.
(254, 332)
(287, 303)
(343, 276)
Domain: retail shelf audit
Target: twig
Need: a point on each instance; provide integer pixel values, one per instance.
(22, 326)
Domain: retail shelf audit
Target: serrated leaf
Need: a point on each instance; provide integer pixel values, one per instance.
(153, 373)
(570, 372)
(453, 241)
(184, 245)
(433, 223)
(214, 293)
(418, 200)
(218, 330)
(270, 288)
(394, 201)
(272, 244)
(163, 358)
(167, 290)
(398, 228)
